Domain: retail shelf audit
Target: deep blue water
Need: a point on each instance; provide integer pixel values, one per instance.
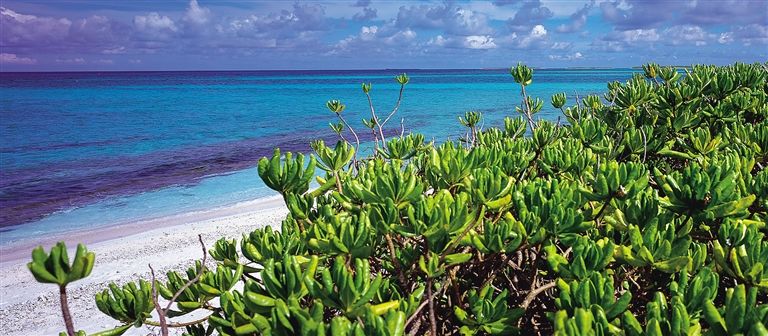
(80, 150)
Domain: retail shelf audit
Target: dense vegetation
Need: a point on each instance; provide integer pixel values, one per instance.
(645, 213)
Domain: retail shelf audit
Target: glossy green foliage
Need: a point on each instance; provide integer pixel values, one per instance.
(598, 289)
(488, 314)
(289, 177)
(403, 148)
(332, 160)
(644, 214)
(740, 315)
(130, 304)
(54, 267)
(350, 292)
(190, 298)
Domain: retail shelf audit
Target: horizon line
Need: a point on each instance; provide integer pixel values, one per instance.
(319, 70)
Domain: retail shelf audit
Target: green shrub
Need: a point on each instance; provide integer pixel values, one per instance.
(644, 215)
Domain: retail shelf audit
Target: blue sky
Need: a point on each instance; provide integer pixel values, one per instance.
(45, 35)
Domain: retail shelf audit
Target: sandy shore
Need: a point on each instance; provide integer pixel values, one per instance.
(122, 255)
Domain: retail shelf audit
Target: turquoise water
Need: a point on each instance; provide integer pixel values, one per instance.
(82, 150)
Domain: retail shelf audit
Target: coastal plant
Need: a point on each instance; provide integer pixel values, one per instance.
(643, 214)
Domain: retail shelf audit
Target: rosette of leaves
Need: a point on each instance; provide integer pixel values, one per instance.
(503, 236)
(489, 313)
(614, 180)
(549, 208)
(661, 246)
(448, 165)
(350, 292)
(442, 218)
(333, 160)
(490, 187)
(583, 322)
(403, 148)
(595, 290)
(663, 318)
(283, 279)
(54, 267)
(385, 181)
(565, 156)
(703, 191)
(514, 127)
(588, 257)
(700, 288)
(130, 304)
(741, 314)
(334, 234)
(189, 299)
(265, 243)
(291, 176)
(743, 253)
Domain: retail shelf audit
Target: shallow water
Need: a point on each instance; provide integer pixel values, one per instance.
(81, 150)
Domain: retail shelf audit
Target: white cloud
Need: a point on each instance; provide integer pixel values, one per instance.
(6, 58)
(635, 35)
(682, 34)
(368, 33)
(76, 60)
(114, 51)
(197, 14)
(154, 22)
(561, 45)
(479, 42)
(725, 38)
(569, 57)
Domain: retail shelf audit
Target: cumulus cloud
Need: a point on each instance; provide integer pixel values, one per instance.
(196, 14)
(76, 60)
(367, 13)
(377, 39)
(21, 30)
(155, 25)
(753, 34)
(531, 13)
(685, 34)
(577, 20)
(726, 12)
(283, 24)
(569, 57)
(478, 42)
(536, 38)
(637, 14)
(633, 35)
(453, 20)
(6, 58)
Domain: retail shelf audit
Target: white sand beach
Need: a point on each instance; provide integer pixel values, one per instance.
(123, 253)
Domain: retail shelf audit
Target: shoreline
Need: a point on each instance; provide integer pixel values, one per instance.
(123, 253)
(21, 249)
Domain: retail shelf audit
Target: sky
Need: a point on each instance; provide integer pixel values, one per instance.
(99, 35)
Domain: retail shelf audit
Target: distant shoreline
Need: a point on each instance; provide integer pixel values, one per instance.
(310, 71)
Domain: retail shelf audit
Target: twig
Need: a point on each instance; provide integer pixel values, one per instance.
(432, 319)
(424, 303)
(357, 139)
(397, 105)
(375, 118)
(191, 281)
(160, 312)
(532, 294)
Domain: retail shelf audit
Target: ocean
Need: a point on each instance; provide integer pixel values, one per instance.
(92, 149)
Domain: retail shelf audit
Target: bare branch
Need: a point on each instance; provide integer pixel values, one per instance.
(160, 311)
(532, 294)
(191, 281)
